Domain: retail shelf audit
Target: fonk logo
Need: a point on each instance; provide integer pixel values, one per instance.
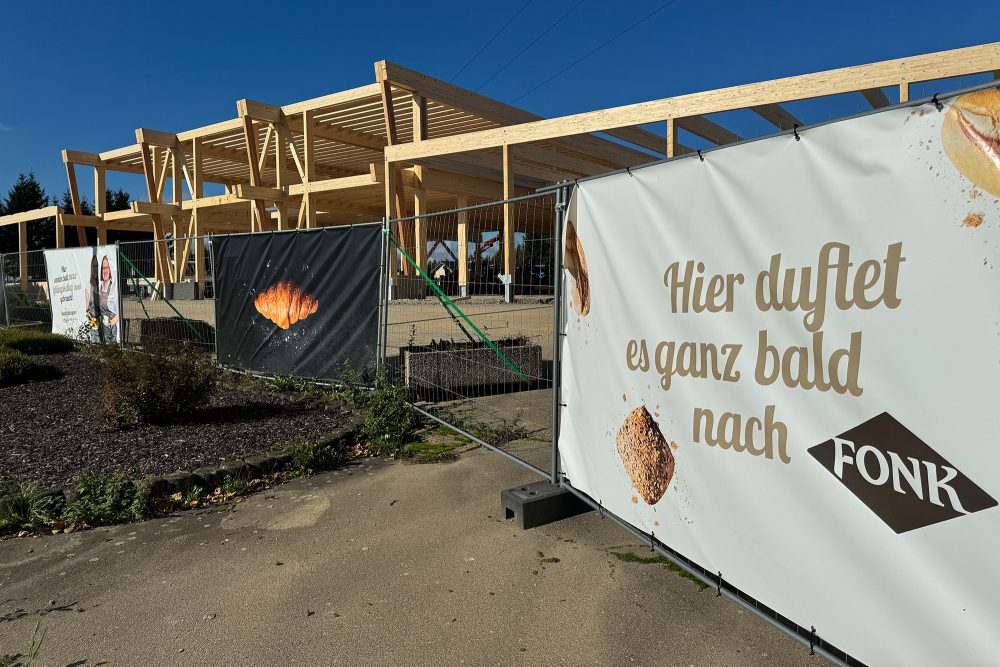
(898, 476)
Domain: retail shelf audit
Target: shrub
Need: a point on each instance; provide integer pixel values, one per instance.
(35, 342)
(15, 367)
(106, 500)
(309, 456)
(388, 419)
(144, 388)
(25, 508)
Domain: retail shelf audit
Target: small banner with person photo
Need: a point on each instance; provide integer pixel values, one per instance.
(84, 293)
(783, 362)
(298, 303)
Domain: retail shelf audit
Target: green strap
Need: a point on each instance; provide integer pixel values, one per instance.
(165, 299)
(444, 297)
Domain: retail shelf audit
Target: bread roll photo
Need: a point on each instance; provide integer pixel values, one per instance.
(285, 304)
(646, 455)
(970, 135)
(576, 264)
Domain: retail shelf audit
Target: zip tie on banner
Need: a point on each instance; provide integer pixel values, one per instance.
(700, 156)
(937, 103)
(812, 640)
(652, 541)
(795, 131)
(465, 317)
(600, 508)
(718, 591)
(628, 170)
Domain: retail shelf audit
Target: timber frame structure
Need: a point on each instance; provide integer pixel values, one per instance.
(411, 144)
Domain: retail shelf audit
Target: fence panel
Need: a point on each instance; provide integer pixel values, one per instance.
(175, 302)
(26, 290)
(475, 349)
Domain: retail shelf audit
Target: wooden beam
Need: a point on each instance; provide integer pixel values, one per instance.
(332, 184)
(244, 191)
(463, 246)
(28, 216)
(198, 159)
(420, 224)
(706, 129)
(22, 256)
(250, 138)
(509, 243)
(82, 157)
(155, 138)
(876, 97)
(390, 73)
(846, 80)
(147, 208)
(904, 92)
(309, 167)
(776, 115)
(100, 191)
(74, 194)
(671, 137)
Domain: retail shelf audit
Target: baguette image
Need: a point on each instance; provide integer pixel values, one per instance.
(970, 135)
(646, 455)
(285, 304)
(576, 264)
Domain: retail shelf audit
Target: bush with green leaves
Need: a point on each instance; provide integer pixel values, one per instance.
(15, 367)
(310, 456)
(35, 342)
(388, 418)
(22, 507)
(106, 500)
(153, 388)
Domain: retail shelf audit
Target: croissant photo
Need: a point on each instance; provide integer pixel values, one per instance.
(285, 304)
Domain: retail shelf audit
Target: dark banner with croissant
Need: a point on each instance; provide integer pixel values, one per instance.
(298, 302)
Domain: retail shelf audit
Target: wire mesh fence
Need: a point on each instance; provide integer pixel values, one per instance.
(471, 332)
(167, 292)
(26, 301)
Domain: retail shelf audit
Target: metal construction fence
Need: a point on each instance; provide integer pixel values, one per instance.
(25, 287)
(470, 325)
(178, 306)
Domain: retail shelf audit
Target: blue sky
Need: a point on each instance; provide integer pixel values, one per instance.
(85, 75)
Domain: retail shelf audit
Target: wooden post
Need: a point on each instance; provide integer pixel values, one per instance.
(74, 194)
(420, 223)
(22, 249)
(281, 172)
(100, 192)
(463, 246)
(199, 252)
(309, 167)
(60, 231)
(509, 240)
(904, 92)
(102, 234)
(671, 137)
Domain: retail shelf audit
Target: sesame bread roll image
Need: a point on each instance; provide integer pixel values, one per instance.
(576, 264)
(285, 304)
(970, 135)
(646, 455)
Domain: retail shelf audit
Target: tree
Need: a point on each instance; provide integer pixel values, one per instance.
(66, 203)
(26, 195)
(117, 200)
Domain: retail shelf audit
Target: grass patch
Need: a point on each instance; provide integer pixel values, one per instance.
(431, 452)
(629, 557)
(35, 342)
(25, 508)
(497, 432)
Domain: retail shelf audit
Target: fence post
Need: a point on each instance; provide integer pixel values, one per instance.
(3, 289)
(383, 298)
(561, 204)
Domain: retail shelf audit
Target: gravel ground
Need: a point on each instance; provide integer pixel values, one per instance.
(49, 430)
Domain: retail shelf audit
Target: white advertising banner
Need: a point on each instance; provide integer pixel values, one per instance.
(783, 361)
(83, 290)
